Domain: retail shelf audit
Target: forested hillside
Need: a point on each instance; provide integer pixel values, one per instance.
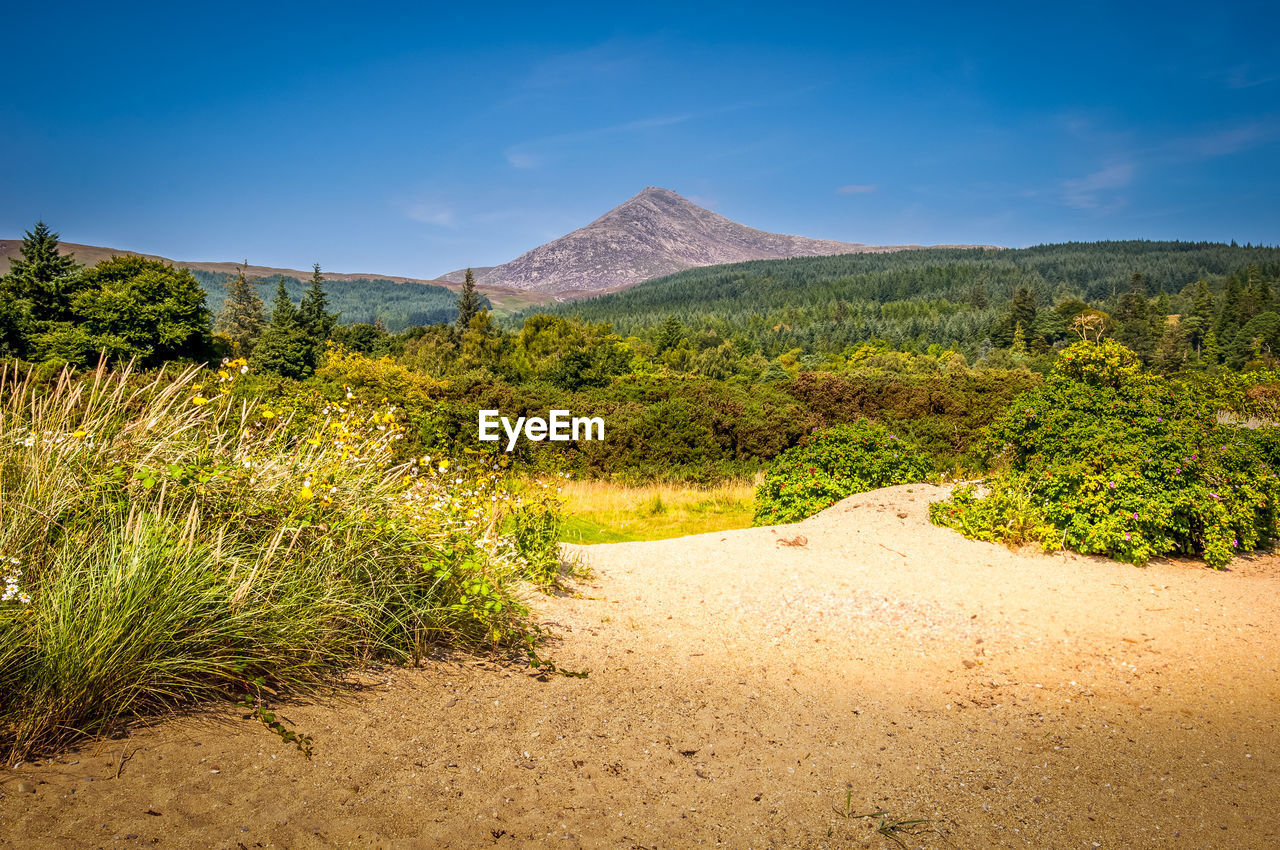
(972, 300)
(397, 305)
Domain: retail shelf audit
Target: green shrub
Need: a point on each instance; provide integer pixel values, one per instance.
(1104, 459)
(535, 532)
(832, 464)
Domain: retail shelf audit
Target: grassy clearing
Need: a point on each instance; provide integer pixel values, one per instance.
(165, 543)
(603, 512)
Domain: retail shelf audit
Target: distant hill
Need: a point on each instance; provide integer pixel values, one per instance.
(396, 300)
(656, 233)
(90, 254)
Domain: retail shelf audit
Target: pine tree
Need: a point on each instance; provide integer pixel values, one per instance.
(1210, 351)
(1137, 330)
(42, 277)
(313, 312)
(469, 303)
(242, 319)
(1171, 355)
(978, 296)
(284, 347)
(1023, 307)
(669, 335)
(1261, 289)
(1022, 312)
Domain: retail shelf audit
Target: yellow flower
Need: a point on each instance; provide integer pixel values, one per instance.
(267, 413)
(444, 464)
(305, 494)
(315, 441)
(80, 434)
(199, 400)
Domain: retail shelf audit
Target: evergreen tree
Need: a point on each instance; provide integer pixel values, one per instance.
(1023, 308)
(978, 296)
(1137, 331)
(775, 373)
(1257, 294)
(43, 278)
(313, 312)
(469, 303)
(669, 335)
(1210, 351)
(1229, 318)
(15, 326)
(1200, 320)
(284, 347)
(1171, 355)
(242, 319)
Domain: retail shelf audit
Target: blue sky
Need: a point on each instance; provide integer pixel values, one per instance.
(418, 138)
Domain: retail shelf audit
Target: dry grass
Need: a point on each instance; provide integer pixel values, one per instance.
(604, 512)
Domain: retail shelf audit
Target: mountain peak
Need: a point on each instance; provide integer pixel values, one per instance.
(657, 232)
(658, 191)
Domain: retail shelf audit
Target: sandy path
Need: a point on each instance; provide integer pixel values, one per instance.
(739, 688)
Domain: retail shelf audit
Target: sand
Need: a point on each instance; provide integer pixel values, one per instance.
(746, 689)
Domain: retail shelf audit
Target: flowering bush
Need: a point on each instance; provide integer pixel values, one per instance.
(832, 464)
(1104, 459)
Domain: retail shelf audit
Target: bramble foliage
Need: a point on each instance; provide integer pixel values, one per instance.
(833, 464)
(1105, 459)
(943, 412)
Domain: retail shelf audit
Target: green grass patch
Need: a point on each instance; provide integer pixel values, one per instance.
(603, 512)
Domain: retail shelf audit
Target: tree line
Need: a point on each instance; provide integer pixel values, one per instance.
(1178, 306)
(1162, 298)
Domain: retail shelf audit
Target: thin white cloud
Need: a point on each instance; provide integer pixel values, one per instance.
(1246, 77)
(517, 158)
(856, 189)
(1222, 142)
(429, 213)
(609, 60)
(1097, 190)
(535, 152)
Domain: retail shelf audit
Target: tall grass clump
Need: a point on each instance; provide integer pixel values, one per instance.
(165, 541)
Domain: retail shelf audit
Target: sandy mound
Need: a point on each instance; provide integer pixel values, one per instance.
(742, 684)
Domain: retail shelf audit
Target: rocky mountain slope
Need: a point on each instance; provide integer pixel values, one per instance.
(653, 234)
